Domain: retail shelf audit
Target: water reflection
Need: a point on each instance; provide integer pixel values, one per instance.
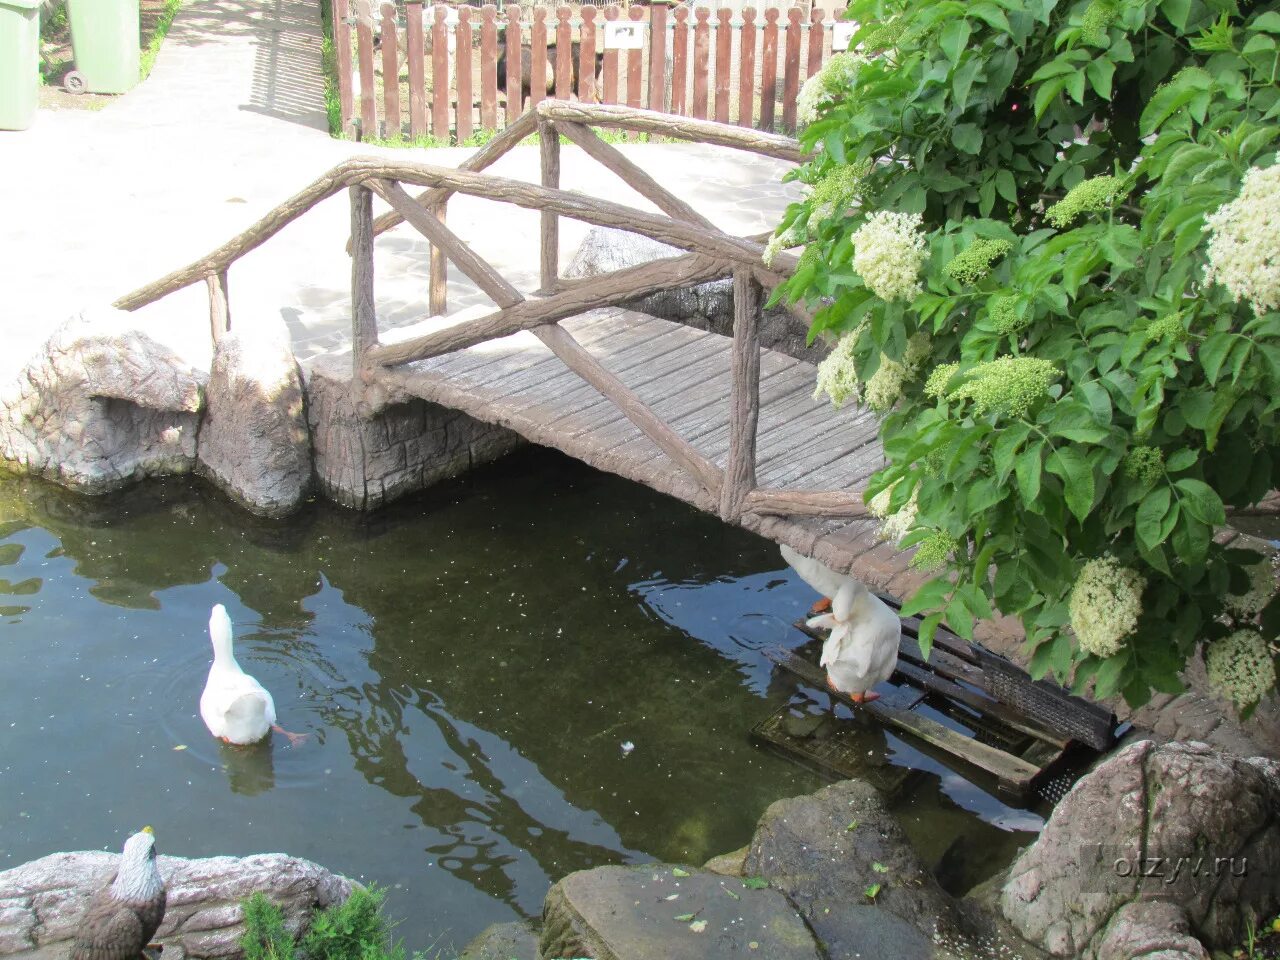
(467, 665)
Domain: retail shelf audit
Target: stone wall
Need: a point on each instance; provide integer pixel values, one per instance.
(363, 460)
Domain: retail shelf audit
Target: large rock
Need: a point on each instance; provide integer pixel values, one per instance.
(1178, 823)
(41, 902)
(365, 458)
(254, 442)
(706, 306)
(103, 404)
(824, 850)
(629, 913)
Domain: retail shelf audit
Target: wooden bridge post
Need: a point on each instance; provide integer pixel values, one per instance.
(438, 285)
(364, 322)
(744, 411)
(549, 147)
(219, 308)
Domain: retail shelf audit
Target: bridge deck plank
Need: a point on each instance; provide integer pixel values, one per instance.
(684, 375)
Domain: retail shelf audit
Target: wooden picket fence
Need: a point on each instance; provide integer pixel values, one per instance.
(444, 60)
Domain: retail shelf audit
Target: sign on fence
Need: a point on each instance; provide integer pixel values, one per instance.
(619, 35)
(842, 32)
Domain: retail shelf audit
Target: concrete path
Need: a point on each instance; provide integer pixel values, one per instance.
(231, 122)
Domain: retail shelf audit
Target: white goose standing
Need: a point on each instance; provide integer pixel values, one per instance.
(862, 649)
(234, 706)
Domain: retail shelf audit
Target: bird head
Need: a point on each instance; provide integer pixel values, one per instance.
(138, 879)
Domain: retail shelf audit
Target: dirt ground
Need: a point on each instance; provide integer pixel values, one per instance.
(56, 58)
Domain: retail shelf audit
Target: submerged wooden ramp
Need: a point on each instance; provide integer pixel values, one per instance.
(685, 377)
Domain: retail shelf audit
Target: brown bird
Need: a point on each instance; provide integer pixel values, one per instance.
(124, 915)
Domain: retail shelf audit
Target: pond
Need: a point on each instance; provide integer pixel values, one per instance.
(467, 664)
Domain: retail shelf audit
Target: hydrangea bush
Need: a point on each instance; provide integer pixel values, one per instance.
(1045, 236)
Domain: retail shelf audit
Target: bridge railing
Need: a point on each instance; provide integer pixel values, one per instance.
(711, 254)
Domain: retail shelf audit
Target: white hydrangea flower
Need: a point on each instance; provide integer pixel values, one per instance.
(884, 389)
(1262, 587)
(836, 76)
(1244, 242)
(1105, 604)
(778, 242)
(895, 525)
(888, 252)
(1240, 667)
(837, 373)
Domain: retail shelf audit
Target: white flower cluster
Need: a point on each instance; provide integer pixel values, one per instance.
(1244, 242)
(888, 252)
(1240, 667)
(781, 241)
(895, 525)
(836, 76)
(837, 373)
(1262, 587)
(884, 389)
(1104, 605)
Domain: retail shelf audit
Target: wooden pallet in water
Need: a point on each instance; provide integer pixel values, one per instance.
(1020, 744)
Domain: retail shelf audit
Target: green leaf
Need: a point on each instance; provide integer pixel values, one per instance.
(1028, 472)
(684, 917)
(872, 891)
(1100, 72)
(1201, 501)
(930, 596)
(677, 872)
(966, 137)
(954, 37)
(1046, 93)
(1180, 460)
(1077, 479)
(1150, 517)
(1177, 11)
(1268, 22)
(1006, 186)
(755, 883)
(1006, 447)
(1109, 675)
(879, 867)
(1213, 352)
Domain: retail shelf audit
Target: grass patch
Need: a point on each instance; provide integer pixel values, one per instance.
(329, 67)
(162, 30)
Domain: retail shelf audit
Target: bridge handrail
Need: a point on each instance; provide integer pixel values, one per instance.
(712, 254)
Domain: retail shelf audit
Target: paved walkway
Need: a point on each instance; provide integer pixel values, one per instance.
(231, 122)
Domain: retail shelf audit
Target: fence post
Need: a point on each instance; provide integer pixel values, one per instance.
(515, 100)
(791, 71)
(587, 91)
(680, 62)
(538, 56)
(549, 149)
(342, 45)
(413, 13)
(489, 67)
(463, 63)
(610, 60)
(564, 53)
(657, 56)
(747, 69)
(635, 69)
(744, 411)
(817, 40)
(724, 54)
(364, 321)
(390, 73)
(769, 68)
(440, 74)
(701, 62)
(364, 48)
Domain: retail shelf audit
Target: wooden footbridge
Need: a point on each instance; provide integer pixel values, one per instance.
(716, 421)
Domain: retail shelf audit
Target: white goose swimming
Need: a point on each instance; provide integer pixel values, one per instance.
(862, 649)
(234, 706)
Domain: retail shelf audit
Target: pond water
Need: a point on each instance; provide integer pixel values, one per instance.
(466, 663)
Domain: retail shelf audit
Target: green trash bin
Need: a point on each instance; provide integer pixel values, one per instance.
(105, 41)
(19, 62)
